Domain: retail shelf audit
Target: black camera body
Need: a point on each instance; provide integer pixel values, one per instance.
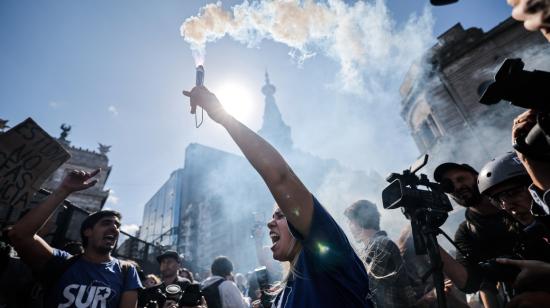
(529, 90)
(400, 194)
(188, 296)
(520, 87)
(262, 276)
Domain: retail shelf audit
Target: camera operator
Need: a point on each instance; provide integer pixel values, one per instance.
(219, 289)
(535, 14)
(482, 236)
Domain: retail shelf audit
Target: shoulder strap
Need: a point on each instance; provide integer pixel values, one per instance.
(125, 268)
(212, 294)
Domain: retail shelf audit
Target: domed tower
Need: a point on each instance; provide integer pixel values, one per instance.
(274, 129)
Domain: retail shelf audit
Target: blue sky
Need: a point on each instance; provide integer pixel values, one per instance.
(114, 71)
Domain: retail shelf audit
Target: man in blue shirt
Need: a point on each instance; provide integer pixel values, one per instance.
(93, 279)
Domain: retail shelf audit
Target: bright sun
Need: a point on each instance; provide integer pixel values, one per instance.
(236, 99)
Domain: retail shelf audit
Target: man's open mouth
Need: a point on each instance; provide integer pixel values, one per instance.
(110, 238)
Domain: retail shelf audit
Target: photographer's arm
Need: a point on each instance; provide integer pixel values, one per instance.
(533, 276)
(453, 269)
(291, 195)
(459, 276)
(539, 171)
(31, 247)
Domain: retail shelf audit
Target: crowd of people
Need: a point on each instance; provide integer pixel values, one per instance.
(502, 246)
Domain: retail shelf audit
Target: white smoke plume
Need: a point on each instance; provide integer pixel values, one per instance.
(363, 38)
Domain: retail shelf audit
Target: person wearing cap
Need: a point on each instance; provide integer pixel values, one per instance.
(169, 263)
(94, 278)
(483, 234)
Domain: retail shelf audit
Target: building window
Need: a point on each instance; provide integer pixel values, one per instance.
(429, 131)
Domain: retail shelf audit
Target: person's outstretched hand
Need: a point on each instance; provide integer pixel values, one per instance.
(200, 96)
(538, 170)
(78, 180)
(533, 276)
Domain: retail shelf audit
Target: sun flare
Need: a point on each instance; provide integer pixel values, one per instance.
(236, 99)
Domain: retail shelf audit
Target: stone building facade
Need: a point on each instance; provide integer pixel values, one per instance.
(441, 93)
(94, 198)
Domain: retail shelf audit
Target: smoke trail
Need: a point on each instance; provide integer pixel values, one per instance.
(362, 37)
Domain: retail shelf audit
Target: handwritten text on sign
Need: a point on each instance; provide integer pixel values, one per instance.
(28, 155)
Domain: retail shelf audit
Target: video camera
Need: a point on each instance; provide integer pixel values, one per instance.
(262, 277)
(427, 209)
(527, 90)
(423, 207)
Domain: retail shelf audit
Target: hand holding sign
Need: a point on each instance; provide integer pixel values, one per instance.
(28, 155)
(78, 180)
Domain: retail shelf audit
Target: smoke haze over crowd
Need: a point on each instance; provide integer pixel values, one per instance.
(362, 38)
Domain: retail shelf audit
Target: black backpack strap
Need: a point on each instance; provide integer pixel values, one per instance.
(212, 294)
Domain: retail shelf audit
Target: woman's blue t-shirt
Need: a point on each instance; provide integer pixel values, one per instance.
(328, 271)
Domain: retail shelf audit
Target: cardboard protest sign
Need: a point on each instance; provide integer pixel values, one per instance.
(28, 155)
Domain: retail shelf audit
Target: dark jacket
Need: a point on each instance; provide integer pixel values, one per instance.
(480, 238)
